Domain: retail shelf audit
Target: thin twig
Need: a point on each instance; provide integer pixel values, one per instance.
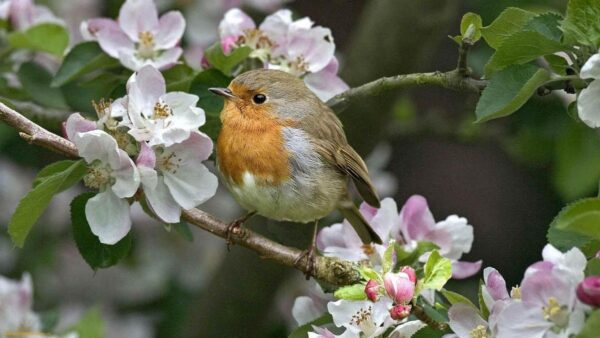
(327, 269)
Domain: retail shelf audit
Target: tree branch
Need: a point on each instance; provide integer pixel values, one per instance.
(327, 269)
(454, 80)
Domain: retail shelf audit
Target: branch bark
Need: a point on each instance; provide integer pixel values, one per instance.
(453, 80)
(331, 270)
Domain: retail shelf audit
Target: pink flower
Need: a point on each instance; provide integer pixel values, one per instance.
(412, 275)
(399, 287)
(24, 14)
(588, 291)
(139, 37)
(372, 290)
(400, 311)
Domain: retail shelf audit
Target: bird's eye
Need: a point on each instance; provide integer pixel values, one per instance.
(259, 98)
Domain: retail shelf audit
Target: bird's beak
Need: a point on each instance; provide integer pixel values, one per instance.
(225, 92)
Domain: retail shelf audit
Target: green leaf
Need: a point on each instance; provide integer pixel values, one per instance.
(558, 64)
(410, 257)
(565, 240)
(79, 95)
(592, 326)
(520, 48)
(179, 78)
(211, 103)
(428, 332)
(388, 258)
(582, 23)
(183, 229)
(483, 309)
(32, 206)
(546, 24)
(593, 267)
(368, 273)
(510, 21)
(56, 168)
(303, 330)
(82, 59)
(46, 37)
(577, 162)
(466, 22)
(438, 271)
(225, 63)
(351, 292)
(90, 325)
(508, 90)
(35, 80)
(581, 217)
(96, 254)
(454, 298)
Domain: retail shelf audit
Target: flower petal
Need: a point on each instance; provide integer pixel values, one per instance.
(385, 219)
(340, 240)
(91, 27)
(463, 319)
(495, 284)
(234, 23)
(305, 310)
(192, 185)
(518, 320)
(108, 217)
(96, 145)
(185, 113)
(416, 218)
(315, 47)
(325, 85)
(591, 68)
(276, 27)
(588, 104)
(162, 203)
(168, 58)
(144, 89)
(138, 16)
(407, 330)
(78, 124)
(170, 30)
(127, 177)
(462, 269)
(146, 157)
(114, 42)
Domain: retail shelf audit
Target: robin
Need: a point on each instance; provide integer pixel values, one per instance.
(283, 154)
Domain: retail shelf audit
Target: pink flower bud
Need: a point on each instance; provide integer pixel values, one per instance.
(372, 290)
(412, 275)
(399, 287)
(399, 312)
(588, 291)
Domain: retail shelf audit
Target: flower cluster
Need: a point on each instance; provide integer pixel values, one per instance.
(414, 224)
(297, 47)
(544, 305)
(160, 131)
(139, 37)
(23, 14)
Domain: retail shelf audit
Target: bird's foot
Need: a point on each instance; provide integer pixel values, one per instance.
(234, 228)
(310, 255)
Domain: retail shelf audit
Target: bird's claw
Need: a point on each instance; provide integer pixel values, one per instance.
(311, 259)
(234, 228)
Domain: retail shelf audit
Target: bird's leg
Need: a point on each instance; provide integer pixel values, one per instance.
(234, 227)
(310, 254)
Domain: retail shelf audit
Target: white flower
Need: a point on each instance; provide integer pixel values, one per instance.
(111, 171)
(155, 116)
(16, 302)
(174, 177)
(362, 318)
(139, 37)
(24, 14)
(588, 102)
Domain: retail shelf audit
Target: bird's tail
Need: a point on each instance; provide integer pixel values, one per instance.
(359, 223)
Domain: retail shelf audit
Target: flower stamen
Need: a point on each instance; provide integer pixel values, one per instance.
(97, 176)
(161, 111)
(145, 46)
(363, 320)
(479, 331)
(556, 313)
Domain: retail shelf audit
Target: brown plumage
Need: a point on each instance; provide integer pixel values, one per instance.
(287, 157)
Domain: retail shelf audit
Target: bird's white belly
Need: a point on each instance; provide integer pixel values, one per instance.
(285, 202)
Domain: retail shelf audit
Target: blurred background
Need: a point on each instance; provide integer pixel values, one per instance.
(509, 177)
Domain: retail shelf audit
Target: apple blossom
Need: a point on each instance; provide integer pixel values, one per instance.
(400, 311)
(310, 306)
(139, 37)
(588, 291)
(174, 177)
(399, 287)
(466, 322)
(16, 300)
(294, 46)
(362, 318)
(588, 102)
(113, 173)
(24, 14)
(372, 290)
(155, 116)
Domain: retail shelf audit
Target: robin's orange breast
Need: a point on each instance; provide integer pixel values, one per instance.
(251, 141)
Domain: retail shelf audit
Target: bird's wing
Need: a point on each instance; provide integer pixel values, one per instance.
(328, 136)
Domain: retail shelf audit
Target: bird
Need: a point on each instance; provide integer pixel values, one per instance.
(283, 154)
